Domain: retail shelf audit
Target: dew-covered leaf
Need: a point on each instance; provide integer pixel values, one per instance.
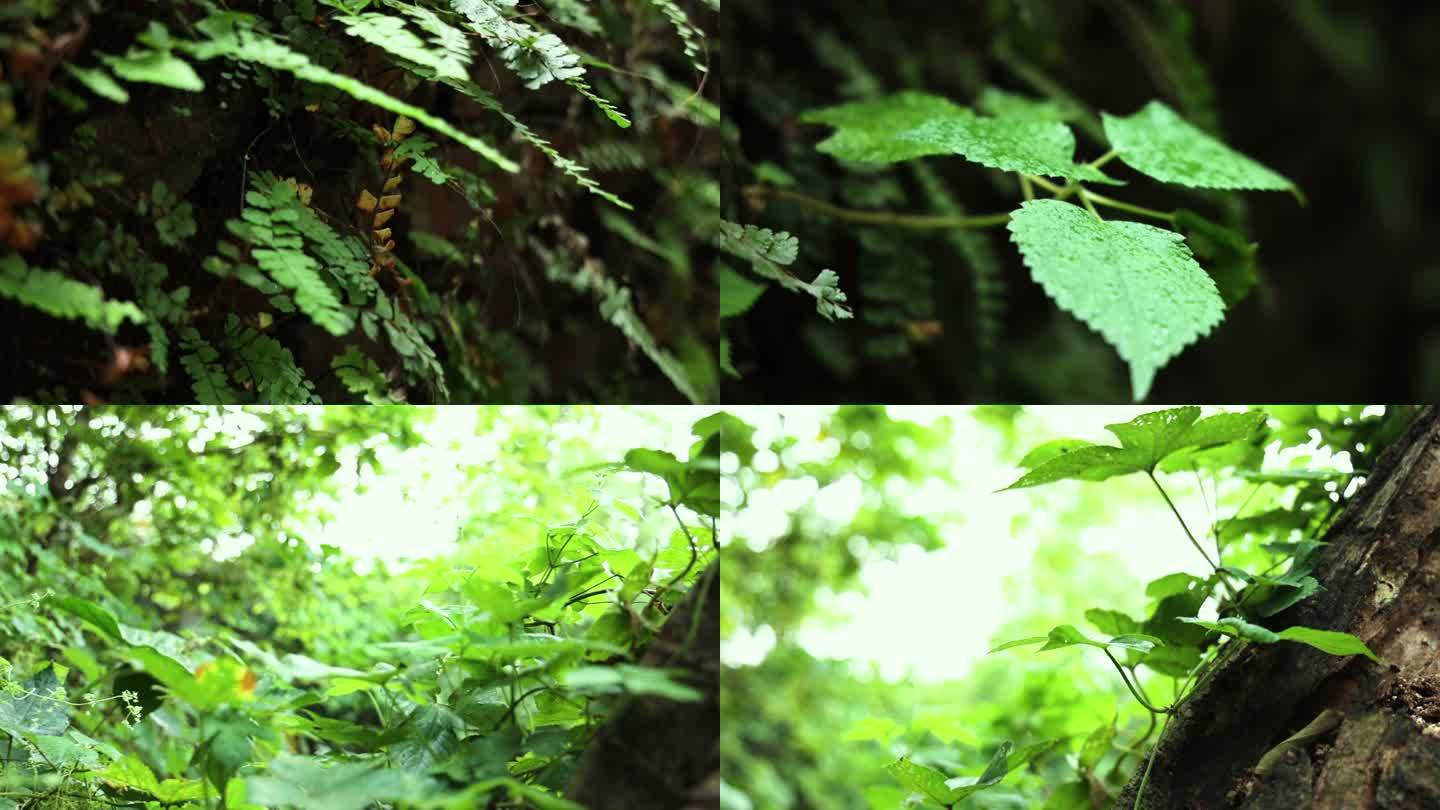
(910, 125)
(1135, 284)
(1145, 441)
(1157, 142)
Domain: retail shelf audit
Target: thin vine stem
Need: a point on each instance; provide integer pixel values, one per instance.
(1143, 702)
(1119, 205)
(919, 221)
(1155, 749)
(1103, 159)
(1183, 525)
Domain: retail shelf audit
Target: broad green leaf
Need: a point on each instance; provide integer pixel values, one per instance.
(98, 617)
(1167, 620)
(227, 749)
(1330, 641)
(1136, 285)
(131, 772)
(921, 779)
(877, 131)
(1113, 622)
(1003, 761)
(963, 786)
(1066, 635)
(910, 125)
(1157, 142)
(306, 782)
(173, 674)
(1263, 523)
(99, 83)
(1145, 441)
(155, 67)
(1171, 584)
(1049, 450)
(1267, 595)
(1004, 104)
(1274, 596)
(1174, 660)
(34, 709)
(737, 293)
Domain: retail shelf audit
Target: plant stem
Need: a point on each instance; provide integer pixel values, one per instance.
(1143, 702)
(1089, 206)
(879, 217)
(1176, 512)
(1103, 159)
(1150, 763)
(1060, 192)
(1138, 210)
(1027, 190)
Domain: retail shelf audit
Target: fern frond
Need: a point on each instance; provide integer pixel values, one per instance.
(232, 37)
(63, 297)
(360, 374)
(202, 362)
(536, 56)
(617, 307)
(691, 36)
(769, 253)
(264, 366)
(393, 35)
(275, 223)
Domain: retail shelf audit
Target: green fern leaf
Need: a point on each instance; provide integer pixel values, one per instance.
(359, 373)
(537, 57)
(232, 38)
(263, 365)
(691, 36)
(1137, 285)
(1159, 143)
(391, 33)
(769, 252)
(55, 294)
(202, 362)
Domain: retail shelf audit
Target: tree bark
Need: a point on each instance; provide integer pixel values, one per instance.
(1381, 581)
(656, 752)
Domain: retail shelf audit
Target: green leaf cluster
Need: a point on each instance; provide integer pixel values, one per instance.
(1137, 285)
(285, 674)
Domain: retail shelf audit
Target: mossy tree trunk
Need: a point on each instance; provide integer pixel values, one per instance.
(1381, 578)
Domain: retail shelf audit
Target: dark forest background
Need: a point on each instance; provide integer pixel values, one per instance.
(1343, 98)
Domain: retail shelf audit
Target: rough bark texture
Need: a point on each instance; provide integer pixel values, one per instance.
(1381, 582)
(659, 753)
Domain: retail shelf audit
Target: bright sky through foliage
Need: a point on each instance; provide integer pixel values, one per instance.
(412, 510)
(932, 615)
